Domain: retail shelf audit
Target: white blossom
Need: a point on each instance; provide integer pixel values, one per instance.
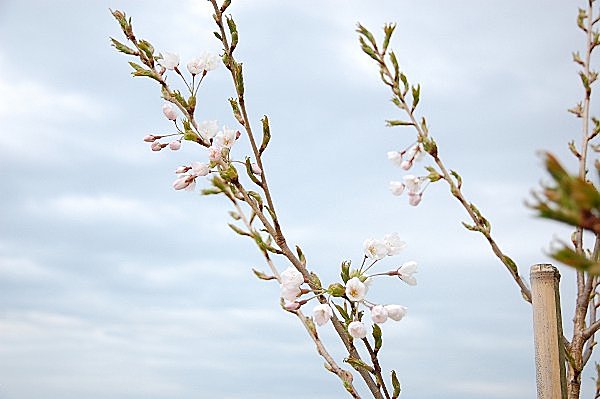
(169, 112)
(289, 292)
(157, 146)
(416, 152)
(256, 169)
(291, 277)
(209, 62)
(226, 137)
(182, 182)
(406, 271)
(395, 157)
(208, 129)
(200, 169)
(406, 165)
(393, 244)
(195, 66)
(175, 145)
(214, 152)
(414, 199)
(412, 183)
(374, 249)
(379, 314)
(170, 60)
(322, 313)
(396, 312)
(356, 289)
(357, 329)
(396, 187)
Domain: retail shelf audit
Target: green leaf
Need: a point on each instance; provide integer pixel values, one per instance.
(359, 364)
(233, 31)
(230, 174)
(210, 191)
(236, 111)
(391, 123)
(239, 79)
(511, 264)
(314, 280)
(377, 337)
(368, 50)
(343, 313)
(266, 134)
(345, 274)
(301, 256)
(396, 385)
(433, 174)
(262, 275)
(251, 173)
(238, 230)
(572, 258)
(388, 29)
(458, 178)
(123, 48)
(416, 94)
(337, 290)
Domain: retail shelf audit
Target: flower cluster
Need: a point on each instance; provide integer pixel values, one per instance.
(201, 65)
(354, 289)
(413, 185)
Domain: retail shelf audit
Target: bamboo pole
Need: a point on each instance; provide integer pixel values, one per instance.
(547, 330)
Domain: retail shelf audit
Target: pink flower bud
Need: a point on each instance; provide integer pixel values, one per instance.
(182, 169)
(414, 199)
(406, 165)
(256, 170)
(175, 145)
(150, 138)
(169, 112)
(157, 146)
(182, 182)
(291, 306)
(396, 187)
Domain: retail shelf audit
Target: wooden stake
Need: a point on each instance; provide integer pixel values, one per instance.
(547, 330)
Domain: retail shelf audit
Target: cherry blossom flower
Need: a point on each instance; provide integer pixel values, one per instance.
(256, 169)
(175, 145)
(357, 329)
(226, 137)
(291, 277)
(375, 249)
(186, 182)
(214, 152)
(414, 199)
(393, 244)
(379, 314)
(406, 271)
(291, 306)
(200, 169)
(150, 138)
(396, 187)
(290, 292)
(170, 61)
(157, 146)
(182, 169)
(356, 289)
(195, 66)
(209, 62)
(395, 157)
(412, 183)
(208, 129)
(395, 312)
(322, 313)
(169, 112)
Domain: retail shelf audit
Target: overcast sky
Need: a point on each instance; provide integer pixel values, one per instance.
(114, 286)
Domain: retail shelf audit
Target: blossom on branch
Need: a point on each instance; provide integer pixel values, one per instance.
(322, 313)
(406, 271)
(356, 289)
(357, 329)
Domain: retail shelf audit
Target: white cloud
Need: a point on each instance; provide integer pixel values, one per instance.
(22, 269)
(105, 208)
